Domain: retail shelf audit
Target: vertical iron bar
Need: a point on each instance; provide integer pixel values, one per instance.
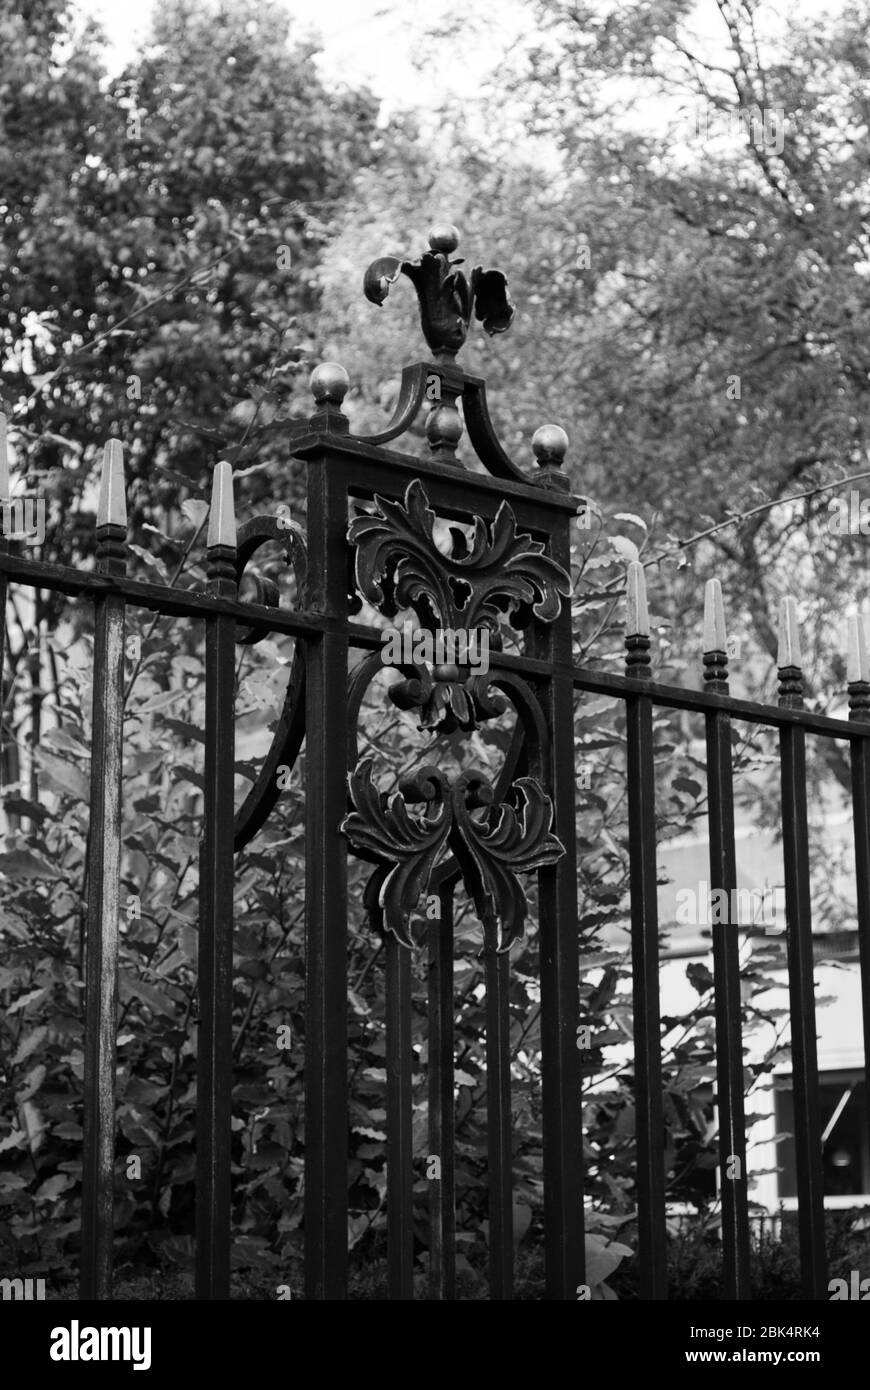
(215, 1041)
(104, 893)
(564, 1249)
(498, 1117)
(726, 962)
(640, 777)
(400, 1152)
(859, 709)
(326, 886)
(802, 1003)
(442, 1188)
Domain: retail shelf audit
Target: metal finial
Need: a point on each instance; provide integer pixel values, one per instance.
(715, 638)
(222, 517)
(549, 446)
(329, 383)
(447, 299)
(444, 237)
(636, 616)
(789, 652)
(857, 653)
(112, 507)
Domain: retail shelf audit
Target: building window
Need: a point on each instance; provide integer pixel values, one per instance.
(846, 1149)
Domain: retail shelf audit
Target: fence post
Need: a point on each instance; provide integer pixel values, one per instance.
(802, 999)
(640, 776)
(559, 952)
(858, 677)
(726, 959)
(326, 863)
(104, 891)
(214, 1085)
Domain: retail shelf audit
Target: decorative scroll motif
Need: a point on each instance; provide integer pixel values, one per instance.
(490, 853)
(399, 566)
(290, 730)
(446, 298)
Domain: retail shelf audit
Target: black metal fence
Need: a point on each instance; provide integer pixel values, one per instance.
(514, 565)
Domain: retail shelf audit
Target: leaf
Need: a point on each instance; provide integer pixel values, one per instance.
(624, 547)
(602, 1259)
(23, 863)
(687, 785)
(184, 730)
(150, 560)
(32, 1083)
(180, 1250)
(699, 977)
(20, 806)
(16, 1140)
(630, 516)
(51, 1189)
(155, 999)
(24, 1000)
(183, 773)
(161, 701)
(12, 1182)
(244, 412)
(28, 1045)
(195, 510)
(63, 776)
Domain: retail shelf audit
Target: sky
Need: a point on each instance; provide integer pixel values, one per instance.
(369, 42)
(374, 43)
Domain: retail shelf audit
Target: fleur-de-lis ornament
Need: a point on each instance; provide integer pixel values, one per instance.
(447, 299)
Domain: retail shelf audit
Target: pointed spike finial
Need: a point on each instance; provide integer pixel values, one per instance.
(222, 516)
(857, 652)
(4, 461)
(715, 637)
(636, 616)
(789, 653)
(637, 643)
(791, 681)
(112, 508)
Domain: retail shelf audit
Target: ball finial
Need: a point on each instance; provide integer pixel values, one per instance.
(443, 427)
(443, 237)
(549, 445)
(329, 383)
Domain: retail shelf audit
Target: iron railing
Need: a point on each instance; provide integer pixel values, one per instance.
(515, 562)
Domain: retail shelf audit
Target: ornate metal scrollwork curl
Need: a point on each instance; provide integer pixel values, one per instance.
(500, 573)
(290, 729)
(511, 840)
(446, 298)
